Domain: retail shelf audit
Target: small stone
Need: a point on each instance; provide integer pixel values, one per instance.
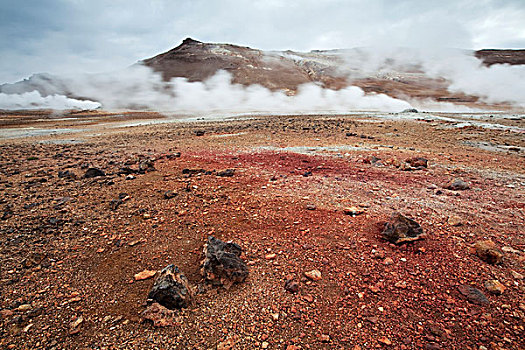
(227, 344)
(455, 221)
(130, 177)
(457, 185)
(384, 340)
(6, 313)
(353, 211)
(388, 261)
(495, 287)
(93, 172)
(324, 338)
(275, 316)
(24, 307)
(270, 256)
(314, 275)
(488, 252)
(415, 163)
(74, 327)
(291, 286)
(226, 173)
(516, 275)
(170, 194)
(265, 345)
(160, 315)
(144, 275)
(473, 295)
(311, 207)
(401, 229)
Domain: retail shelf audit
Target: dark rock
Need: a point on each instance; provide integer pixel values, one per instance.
(127, 171)
(349, 134)
(173, 155)
(226, 173)
(199, 133)
(222, 264)
(457, 185)
(115, 203)
(410, 110)
(473, 295)
(488, 252)
(170, 194)
(291, 286)
(187, 171)
(66, 174)
(401, 229)
(146, 165)
(93, 172)
(308, 173)
(171, 289)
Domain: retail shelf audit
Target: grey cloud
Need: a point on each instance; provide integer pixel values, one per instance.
(67, 36)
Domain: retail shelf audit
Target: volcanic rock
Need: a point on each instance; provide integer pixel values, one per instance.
(222, 264)
(401, 229)
(93, 172)
(473, 295)
(488, 252)
(171, 289)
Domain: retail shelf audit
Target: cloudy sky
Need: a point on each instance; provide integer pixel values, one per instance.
(67, 36)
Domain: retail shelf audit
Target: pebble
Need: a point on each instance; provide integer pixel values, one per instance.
(488, 252)
(353, 211)
(388, 261)
(270, 256)
(24, 307)
(455, 221)
(144, 275)
(495, 287)
(516, 275)
(384, 340)
(314, 275)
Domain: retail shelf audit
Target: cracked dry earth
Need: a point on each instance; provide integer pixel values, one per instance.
(70, 247)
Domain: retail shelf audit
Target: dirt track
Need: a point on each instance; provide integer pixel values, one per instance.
(65, 252)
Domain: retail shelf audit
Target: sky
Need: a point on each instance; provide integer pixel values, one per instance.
(72, 36)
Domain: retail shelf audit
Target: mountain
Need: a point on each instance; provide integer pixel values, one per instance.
(394, 73)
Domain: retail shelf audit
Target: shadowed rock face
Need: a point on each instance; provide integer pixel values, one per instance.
(490, 57)
(171, 289)
(222, 264)
(401, 229)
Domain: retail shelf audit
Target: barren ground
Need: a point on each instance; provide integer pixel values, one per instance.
(66, 253)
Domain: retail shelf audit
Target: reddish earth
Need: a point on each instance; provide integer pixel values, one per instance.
(66, 254)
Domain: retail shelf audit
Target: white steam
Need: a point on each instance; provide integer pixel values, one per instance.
(138, 87)
(33, 100)
(499, 83)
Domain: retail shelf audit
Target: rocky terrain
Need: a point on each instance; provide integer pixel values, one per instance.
(91, 208)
